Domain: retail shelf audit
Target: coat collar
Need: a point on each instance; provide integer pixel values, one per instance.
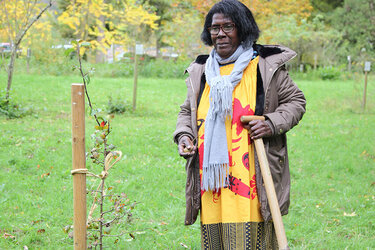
(275, 55)
(270, 62)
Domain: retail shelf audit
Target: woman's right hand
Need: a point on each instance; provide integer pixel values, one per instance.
(186, 147)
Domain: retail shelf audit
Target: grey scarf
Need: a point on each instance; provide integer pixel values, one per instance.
(215, 156)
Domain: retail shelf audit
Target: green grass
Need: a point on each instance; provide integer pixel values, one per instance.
(332, 159)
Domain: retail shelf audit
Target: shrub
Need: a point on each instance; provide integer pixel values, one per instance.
(160, 68)
(12, 110)
(117, 106)
(329, 73)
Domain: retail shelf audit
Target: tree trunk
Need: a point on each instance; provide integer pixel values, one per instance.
(158, 54)
(99, 53)
(10, 70)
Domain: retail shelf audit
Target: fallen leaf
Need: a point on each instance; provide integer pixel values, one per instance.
(6, 235)
(350, 215)
(35, 222)
(66, 229)
(44, 175)
(41, 231)
(183, 245)
(142, 232)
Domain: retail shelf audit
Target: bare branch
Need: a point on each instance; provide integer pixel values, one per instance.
(118, 235)
(84, 82)
(5, 9)
(16, 27)
(22, 34)
(114, 219)
(106, 212)
(27, 11)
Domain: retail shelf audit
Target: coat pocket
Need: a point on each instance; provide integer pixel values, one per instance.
(277, 158)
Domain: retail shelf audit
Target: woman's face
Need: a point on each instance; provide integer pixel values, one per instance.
(224, 43)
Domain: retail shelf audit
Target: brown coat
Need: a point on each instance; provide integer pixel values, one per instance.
(284, 106)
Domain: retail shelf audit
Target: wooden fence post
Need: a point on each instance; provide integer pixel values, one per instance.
(79, 166)
(135, 81)
(366, 69)
(364, 92)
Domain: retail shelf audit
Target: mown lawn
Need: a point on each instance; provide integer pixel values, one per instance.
(332, 158)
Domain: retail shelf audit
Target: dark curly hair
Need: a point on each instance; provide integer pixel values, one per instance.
(247, 28)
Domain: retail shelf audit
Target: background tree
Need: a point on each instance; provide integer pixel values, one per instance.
(184, 31)
(104, 23)
(17, 18)
(266, 13)
(313, 40)
(162, 9)
(326, 6)
(203, 6)
(356, 20)
(313, 28)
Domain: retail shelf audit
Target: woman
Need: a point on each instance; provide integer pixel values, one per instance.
(238, 78)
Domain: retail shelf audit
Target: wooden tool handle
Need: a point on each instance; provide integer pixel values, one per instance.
(271, 194)
(269, 186)
(249, 118)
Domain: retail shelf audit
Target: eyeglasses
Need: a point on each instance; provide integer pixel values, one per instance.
(227, 28)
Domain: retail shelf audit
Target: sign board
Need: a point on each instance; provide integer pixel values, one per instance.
(139, 49)
(349, 58)
(367, 66)
(28, 52)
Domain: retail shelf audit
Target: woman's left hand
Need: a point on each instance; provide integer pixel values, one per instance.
(258, 129)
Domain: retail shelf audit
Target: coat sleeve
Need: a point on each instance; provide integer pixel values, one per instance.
(183, 126)
(291, 103)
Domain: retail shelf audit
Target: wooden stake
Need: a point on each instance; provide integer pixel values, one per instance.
(135, 79)
(364, 92)
(349, 64)
(270, 188)
(79, 162)
(315, 61)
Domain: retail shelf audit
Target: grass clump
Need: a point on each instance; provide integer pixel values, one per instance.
(11, 109)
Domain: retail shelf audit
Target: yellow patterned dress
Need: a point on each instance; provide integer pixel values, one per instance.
(231, 218)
